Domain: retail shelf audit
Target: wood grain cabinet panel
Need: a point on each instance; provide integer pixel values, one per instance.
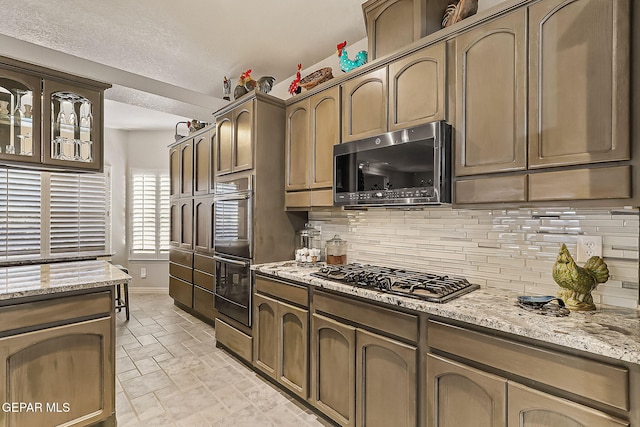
(490, 97)
(174, 171)
(417, 87)
(532, 408)
(52, 366)
(364, 105)
(386, 378)
(224, 143)
(186, 168)
(243, 137)
(202, 224)
(297, 153)
(201, 147)
(463, 396)
(325, 133)
(186, 223)
(578, 82)
(333, 354)
(293, 357)
(265, 342)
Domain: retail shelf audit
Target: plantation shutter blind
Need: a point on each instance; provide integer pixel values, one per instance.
(78, 212)
(20, 207)
(165, 213)
(144, 213)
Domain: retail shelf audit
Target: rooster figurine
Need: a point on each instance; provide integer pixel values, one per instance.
(294, 87)
(578, 282)
(347, 64)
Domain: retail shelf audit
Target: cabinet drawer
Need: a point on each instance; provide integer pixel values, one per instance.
(181, 272)
(203, 303)
(54, 310)
(203, 263)
(322, 198)
(297, 199)
(581, 184)
(234, 340)
(203, 280)
(594, 380)
(181, 257)
(390, 321)
(285, 291)
(181, 291)
(492, 190)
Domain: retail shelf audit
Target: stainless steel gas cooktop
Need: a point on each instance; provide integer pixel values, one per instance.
(398, 281)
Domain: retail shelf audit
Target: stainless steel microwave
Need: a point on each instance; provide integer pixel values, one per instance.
(399, 168)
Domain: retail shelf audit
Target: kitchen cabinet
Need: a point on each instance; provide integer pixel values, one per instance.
(281, 343)
(201, 165)
(48, 348)
(500, 393)
(50, 118)
(186, 168)
(181, 276)
(490, 96)
(181, 213)
(174, 171)
(364, 105)
(234, 144)
(313, 128)
(577, 117)
(203, 284)
(202, 224)
(360, 375)
(417, 88)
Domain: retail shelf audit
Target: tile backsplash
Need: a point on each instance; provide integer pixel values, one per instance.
(507, 248)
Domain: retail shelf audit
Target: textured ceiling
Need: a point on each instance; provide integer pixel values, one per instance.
(188, 44)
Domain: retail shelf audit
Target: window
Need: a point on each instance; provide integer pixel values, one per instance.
(150, 220)
(46, 213)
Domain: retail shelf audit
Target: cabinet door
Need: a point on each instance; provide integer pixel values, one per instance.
(243, 137)
(297, 146)
(224, 143)
(70, 364)
(72, 131)
(490, 97)
(333, 369)
(20, 117)
(417, 88)
(392, 25)
(181, 291)
(201, 224)
(174, 171)
(213, 147)
(387, 387)
(201, 164)
(578, 82)
(458, 395)
(532, 408)
(186, 168)
(186, 224)
(294, 348)
(265, 340)
(364, 105)
(325, 133)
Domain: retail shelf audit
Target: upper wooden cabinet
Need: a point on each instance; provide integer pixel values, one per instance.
(174, 171)
(415, 95)
(50, 118)
(578, 82)
(312, 129)
(490, 97)
(364, 105)
(186, 168)
(201, 164)
(234, 145)
(417, 88)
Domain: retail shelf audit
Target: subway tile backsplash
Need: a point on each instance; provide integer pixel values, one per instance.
(506, 248)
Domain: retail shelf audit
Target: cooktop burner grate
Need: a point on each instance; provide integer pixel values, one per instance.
(397, 281)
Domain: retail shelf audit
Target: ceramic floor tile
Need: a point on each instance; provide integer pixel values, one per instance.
(170, 373)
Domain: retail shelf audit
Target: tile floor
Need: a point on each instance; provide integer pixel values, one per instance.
(170, 373)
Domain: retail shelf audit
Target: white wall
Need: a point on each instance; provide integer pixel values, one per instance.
(115, 155)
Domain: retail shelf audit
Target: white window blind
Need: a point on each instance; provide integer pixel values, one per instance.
(78, 212)
(150, 220)
(20, 207)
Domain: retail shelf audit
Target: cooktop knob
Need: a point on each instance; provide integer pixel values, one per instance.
(379, 195)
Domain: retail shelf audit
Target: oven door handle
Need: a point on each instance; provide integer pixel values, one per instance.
(230, 261)
(232, 197)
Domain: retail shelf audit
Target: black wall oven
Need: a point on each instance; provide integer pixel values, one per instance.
(232, 225)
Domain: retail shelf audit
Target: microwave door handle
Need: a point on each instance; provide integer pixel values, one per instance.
(230, 261)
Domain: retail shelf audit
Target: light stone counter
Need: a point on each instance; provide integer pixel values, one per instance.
(610, 331)
(43, 279)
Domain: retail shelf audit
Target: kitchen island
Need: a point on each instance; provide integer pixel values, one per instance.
(57, 343)
(479, 350)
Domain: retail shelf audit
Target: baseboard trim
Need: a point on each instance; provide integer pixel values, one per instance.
(148, 290)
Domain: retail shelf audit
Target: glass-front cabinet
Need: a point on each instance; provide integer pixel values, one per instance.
(72, 126)
(20, 114)
(49, 119)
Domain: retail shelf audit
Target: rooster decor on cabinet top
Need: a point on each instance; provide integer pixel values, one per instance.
(576, 282)
(347, 64)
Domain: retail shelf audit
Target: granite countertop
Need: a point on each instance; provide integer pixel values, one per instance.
(53, 258)
(30, 280)
(609, 331)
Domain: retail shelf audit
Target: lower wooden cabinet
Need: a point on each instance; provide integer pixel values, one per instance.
(281, 343)
(181, 291)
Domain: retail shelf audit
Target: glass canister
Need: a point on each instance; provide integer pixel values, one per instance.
(307, 246)
(336, 249)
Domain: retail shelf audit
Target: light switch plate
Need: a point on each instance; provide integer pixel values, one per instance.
(589, 246)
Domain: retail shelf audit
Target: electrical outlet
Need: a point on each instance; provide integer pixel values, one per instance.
(143, 273)
(589, 246)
